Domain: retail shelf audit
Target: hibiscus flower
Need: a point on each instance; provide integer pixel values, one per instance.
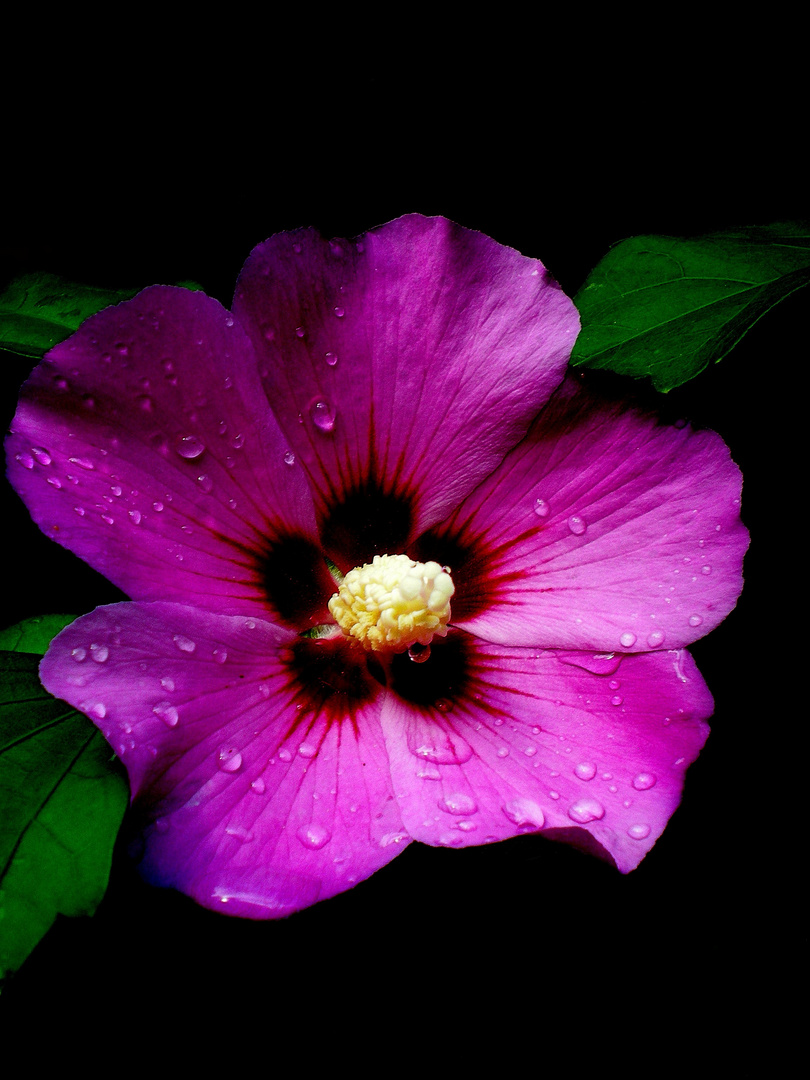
(395, 576)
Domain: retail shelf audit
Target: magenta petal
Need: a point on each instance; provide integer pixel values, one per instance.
(605, 529)
(532, 743)
(255, 792)
(144, 444)
(406, 362)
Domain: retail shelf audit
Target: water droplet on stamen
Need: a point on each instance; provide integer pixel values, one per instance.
(419, 653)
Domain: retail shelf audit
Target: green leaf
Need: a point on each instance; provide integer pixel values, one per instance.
(62, 798)
(39, 310)
(33, 635)
(667, 307)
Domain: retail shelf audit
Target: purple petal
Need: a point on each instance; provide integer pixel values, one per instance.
(144, 444)
(255, 758)
(401, 366)
(528, 743)
(604, 530)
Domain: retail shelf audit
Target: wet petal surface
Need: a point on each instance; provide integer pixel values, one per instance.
(605, 529)
(144, 445)
(502, 741)
(256, 761)
(401, 367)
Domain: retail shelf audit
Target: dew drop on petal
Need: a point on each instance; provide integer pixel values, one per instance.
(285, 755)
(639, 832)
(167, 682)
(541, 508)
(135, 516)
(41, 454)
(300, 331)
(184, 644)
(289, 458)
(323, 415)
(524, 813)
(644, 780)
(459, 804)
(313, 836)
(339, 312)
(705, 569)
(695, 620)
(627, 639)
(79, 654)
(99, 653)
(586, 770)
(585, 810)
(206, 483)
(577, 524)
(25, 460)
(617, 699)
(331, 359)
(259, 786)
(189, 447)
(229, 758)
(220, 655)
(307, 750)
(157, 507)
(655, 638)
(166, 712)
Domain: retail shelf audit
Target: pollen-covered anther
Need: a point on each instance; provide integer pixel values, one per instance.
(392, 603)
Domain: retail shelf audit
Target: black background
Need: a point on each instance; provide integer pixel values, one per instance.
(511, 939)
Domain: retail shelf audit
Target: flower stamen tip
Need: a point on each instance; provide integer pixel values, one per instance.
(393, 603)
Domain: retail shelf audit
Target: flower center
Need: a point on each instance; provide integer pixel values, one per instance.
(393, 603)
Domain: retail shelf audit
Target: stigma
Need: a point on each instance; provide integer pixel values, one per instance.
(393, 603)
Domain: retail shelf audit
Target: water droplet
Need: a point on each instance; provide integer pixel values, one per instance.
(167, 682)
(617, 699)
(331, 359)
(229, 320)
(79, 654)
(323, 415)
(79, 510)
(577, 524)
(655, 638)
(189, 447)
(419, 653)
(452, 753)
(639, 832)
(238, 833)
(157, 507)
(307, 750)
(627, 639)
(614, 684)
(524, 813)
(585, 810)
(184, 644)
(585, 770)
(206, 483)
(285, 754)
(259, 786)
(41, 454)
(109, 520)
(299, 331)
(220, 656)
(695, 620)
(99, 653)
(55, 482)
(313, 836)
(429, 772)
(166, 712)
(289, 458)
(503, 752)
(339, 312)
(83, 463)
(135, 515)
(96, 708)
(230, 760)
(238, 442)
(644, 780)
(459, 804)
(541, 508)
(705, 569)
